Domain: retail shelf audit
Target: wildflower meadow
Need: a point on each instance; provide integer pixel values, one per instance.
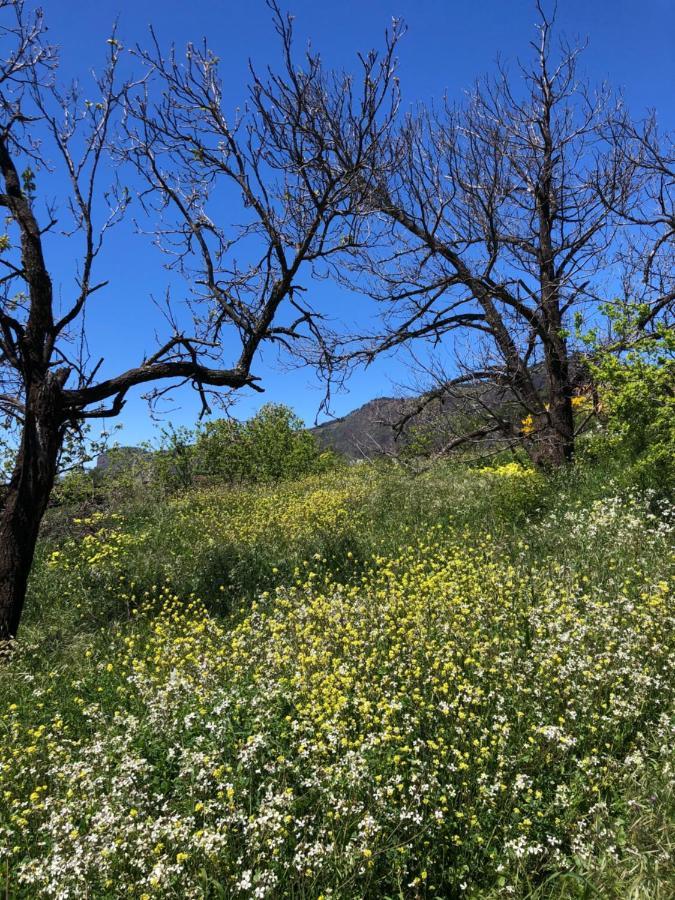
(365, 683)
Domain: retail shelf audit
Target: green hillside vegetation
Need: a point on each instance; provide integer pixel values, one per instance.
(350, 681)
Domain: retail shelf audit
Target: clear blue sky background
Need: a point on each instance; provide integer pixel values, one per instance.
(448, 44)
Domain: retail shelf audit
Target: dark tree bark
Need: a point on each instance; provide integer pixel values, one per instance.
(27, 348)
(27, 497)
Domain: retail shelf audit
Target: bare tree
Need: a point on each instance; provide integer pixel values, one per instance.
(648, 250)
(292, 203)
(497, 224)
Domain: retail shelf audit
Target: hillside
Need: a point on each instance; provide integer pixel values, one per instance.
(367, 431)
(324, 685)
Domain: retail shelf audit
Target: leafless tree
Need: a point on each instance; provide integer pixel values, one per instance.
(648, 217)
(291, 200)
(497, 222)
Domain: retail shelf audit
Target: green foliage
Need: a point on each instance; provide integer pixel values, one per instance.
(173, 463)
(28, 182)
(269, 447)
(76, 489)
(638, 395)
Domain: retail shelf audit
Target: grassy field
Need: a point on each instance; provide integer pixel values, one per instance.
(361, 684)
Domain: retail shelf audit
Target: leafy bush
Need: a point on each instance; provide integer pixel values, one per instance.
(638, 396)
(274, 444)
(271, 446)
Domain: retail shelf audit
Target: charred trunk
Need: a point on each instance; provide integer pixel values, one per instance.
(26, 500)
(553, 440)
(553, 445)
(560, 411)
(562, 429)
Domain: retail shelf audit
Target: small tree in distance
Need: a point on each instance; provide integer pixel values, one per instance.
(244, 278)
(270, 446)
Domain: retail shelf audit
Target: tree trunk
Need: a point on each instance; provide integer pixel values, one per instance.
(26, 499)
(562, 428)
(560, 411)
(553, 442)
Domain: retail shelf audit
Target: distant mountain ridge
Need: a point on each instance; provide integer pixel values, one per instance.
(366, 431)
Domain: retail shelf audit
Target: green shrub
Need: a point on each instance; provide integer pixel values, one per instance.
(638, 397)
(273, 445)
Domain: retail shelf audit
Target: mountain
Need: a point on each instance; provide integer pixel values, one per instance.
(369, 431)
(365, 431)
(119, 459)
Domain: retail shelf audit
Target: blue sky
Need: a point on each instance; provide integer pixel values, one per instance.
(448, 44)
